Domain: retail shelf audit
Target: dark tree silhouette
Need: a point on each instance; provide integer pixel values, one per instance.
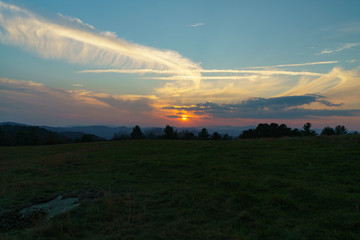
(203, 135)
(283, 131)
(264, 130)
(250, 133)
(216, 136)
(307, 131)
(328, 131)
(137, 133)
(295, 132)
(170, 133)
(340, 130)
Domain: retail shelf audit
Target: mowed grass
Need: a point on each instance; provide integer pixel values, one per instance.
(305, 188)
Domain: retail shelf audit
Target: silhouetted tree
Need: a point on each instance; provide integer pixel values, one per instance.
(250, 133)
(328, 131)
(340, 130)
(264, 130)
(307, 131)
(170, 133)
(283, 131)
(216, 136)
(295, 132)
(137, 133)
(203, 134)
(274, 130)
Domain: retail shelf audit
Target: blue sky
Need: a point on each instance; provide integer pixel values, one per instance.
(183, 63)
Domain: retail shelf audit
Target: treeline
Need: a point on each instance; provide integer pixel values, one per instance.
(16, 135)
(275, 130)
(263, 130)
(170, 133)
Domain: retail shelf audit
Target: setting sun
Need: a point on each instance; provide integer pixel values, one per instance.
(184, 117)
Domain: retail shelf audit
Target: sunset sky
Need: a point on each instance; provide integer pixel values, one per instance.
(182, 63)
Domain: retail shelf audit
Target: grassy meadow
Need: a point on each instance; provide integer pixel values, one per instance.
(301, 188)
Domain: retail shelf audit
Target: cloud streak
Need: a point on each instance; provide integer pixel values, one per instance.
(295, 65)
(260, 72)
(203, 71)
(71, 39)
(196, 25)
(343, 47)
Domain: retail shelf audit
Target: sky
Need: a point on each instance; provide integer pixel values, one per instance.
(184, 63)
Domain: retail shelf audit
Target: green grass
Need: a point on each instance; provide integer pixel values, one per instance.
(306, 188)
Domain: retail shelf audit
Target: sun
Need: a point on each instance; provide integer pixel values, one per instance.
(184, 117)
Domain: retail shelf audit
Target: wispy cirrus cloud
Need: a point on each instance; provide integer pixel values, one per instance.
(76, 21)
(71, 39)
(129, 71)
(351, 60)
(341, 48)
(265, 72)
(196, 25)
(295, 65)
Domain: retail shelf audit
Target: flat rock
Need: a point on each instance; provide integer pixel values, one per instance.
(37, 212)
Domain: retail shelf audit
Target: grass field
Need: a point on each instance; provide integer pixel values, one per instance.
(305, 188)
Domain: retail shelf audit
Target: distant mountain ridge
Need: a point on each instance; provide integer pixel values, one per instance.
(12, 134)
(15, 124)
(101, 131)
(18, 134)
